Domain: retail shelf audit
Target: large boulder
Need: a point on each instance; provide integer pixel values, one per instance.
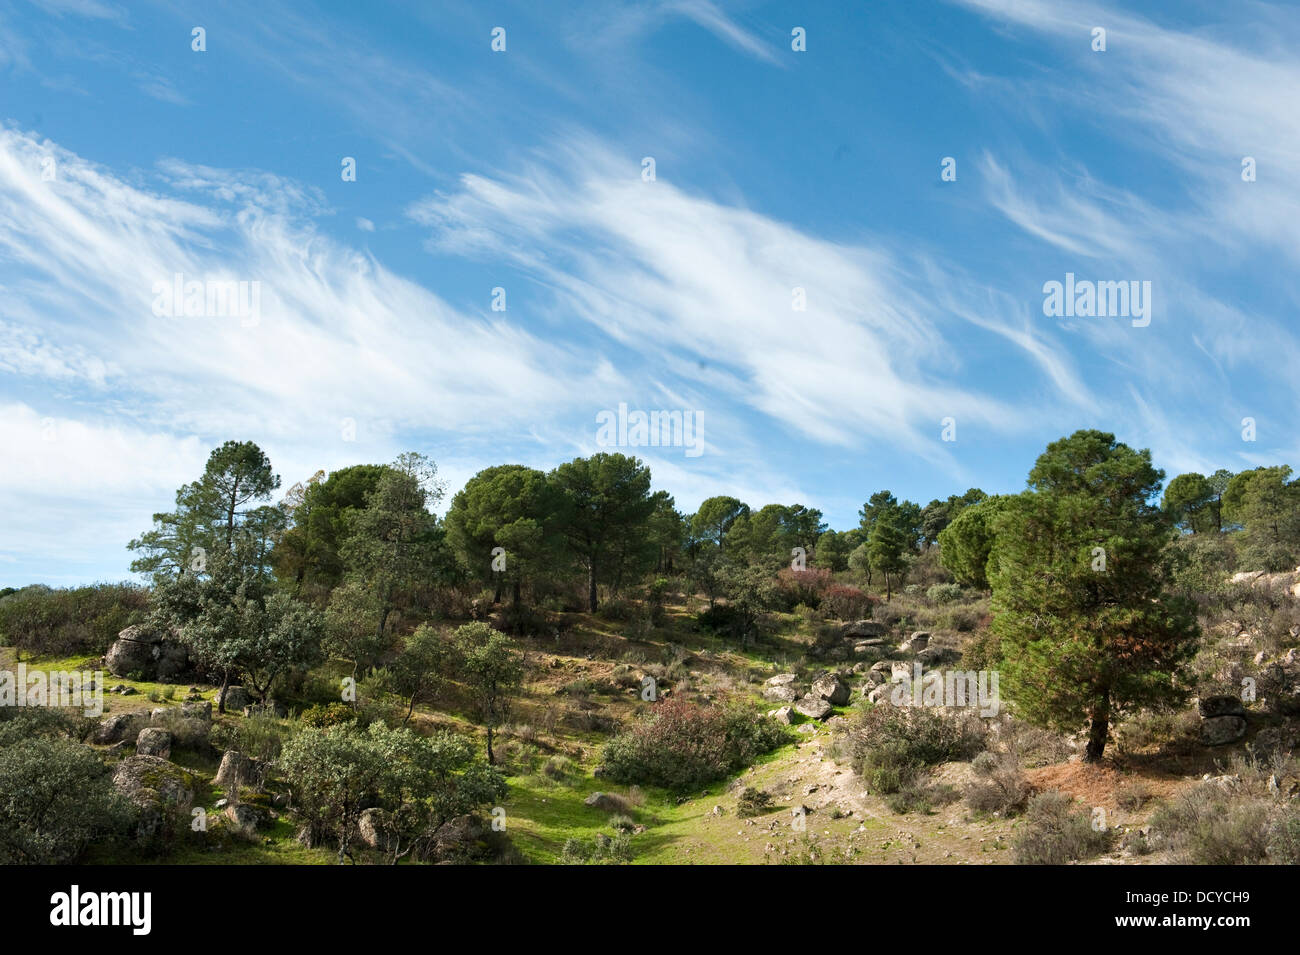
(119, 727)
(197, 710)
(780, 694)
(237, 770)
(244, 819)
(916, 642)
(162, 791)
(1218, 730)
(1226, 705)
(814, 707)
(237, 699)
(153, 741)
(782, 714)
(147, 654)
(462, 839)
(372, 829)
(830, 688)
(605, 802)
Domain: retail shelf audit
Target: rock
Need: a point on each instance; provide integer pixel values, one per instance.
(121, 726)
(875, 677)
(814, 707)
(236, 770)
(157, 714)
(831, 688)
(933, 656)
(783, 715)
(1212, 706)
(863, 629)
(372, 829)
(237, 698)
(806, 728)
(868, 648)
(916, 642)
(197, 710)
(899, 672)
(162, 791)
(780, 694)
(781, 679)
(153, 741)
(460, 839)
(604, 802)
(1218, 730)
(880, 694)
(245, 819)
(155, 655)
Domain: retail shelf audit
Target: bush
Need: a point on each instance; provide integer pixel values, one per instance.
(1207, 825)
(603, 850)
(796, 587)
(943, 593)
(330, 714)
(890, 746)
(1000, 788)
(1055, 833)
(1133, 796)
(56, 799)
(753, 802)
(683, 746)
(50, 622)
(846, 602)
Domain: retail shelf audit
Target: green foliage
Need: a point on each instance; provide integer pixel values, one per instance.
(890, 746)
(61, 622)
(1193, 502)
(966, 543)
(753, 802)
(419, 670)
(1267, 506)
(420, 782)
(210, 511)
(56, 799)
(308, 554)
(1087, 630)
(606, 513)
(682, 746)
(602, 850)
(493, 671)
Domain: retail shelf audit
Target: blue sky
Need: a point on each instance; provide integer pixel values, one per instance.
(127, 157)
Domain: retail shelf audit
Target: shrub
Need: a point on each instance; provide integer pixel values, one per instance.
(330, 714)
(943, 593)
(846, 602)
(753, 802)
(621, 822)
(796, 587)
(41, 620)
(1000, 788)
(603, 850)
(1133, 796)
(889, 746)
(1055, 833)
(1207, 825)
(683, 745)
(56, 798)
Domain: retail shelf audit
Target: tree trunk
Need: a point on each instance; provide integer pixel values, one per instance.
(517, 593)
(591, 586)
(221, 695)
(1100, 716)
(490, 756)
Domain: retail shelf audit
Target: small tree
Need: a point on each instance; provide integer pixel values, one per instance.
(493, 672)
(420, 669)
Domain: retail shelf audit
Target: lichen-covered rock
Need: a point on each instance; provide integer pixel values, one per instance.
(149, 654)
(162, 792)
(153, 741)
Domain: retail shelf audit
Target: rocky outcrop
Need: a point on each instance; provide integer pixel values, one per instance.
(147, 654)
(153, 741)
(161, 791)
(814, 707)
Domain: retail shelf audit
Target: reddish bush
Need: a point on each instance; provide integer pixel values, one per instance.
(803, 586)
(846, 602)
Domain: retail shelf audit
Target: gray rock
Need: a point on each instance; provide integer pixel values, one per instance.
(916, 642)
(781, 679)
(783, 715)
(831, 688)
(197, 710)
(1212, 706)
(604, 802)
(372, 829)
(153, 741)
(863, 629)
(1218, 730)
(162, 791)
(245, 819)
(158, 656)
(780, 694)
(121, 726)
(237, 698)
(814, 707)
(237, 770)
